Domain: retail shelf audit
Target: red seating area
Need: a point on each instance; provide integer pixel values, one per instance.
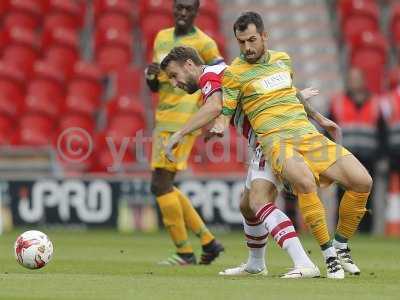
(49, 83)
(368, 46)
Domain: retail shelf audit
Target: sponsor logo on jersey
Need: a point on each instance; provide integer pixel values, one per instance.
(276, 81)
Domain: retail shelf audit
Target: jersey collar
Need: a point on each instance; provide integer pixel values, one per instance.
(190, 32)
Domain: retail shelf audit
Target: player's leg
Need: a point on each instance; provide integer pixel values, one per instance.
(172, 216)
(352, 175)
(302, 180)
(260, 193)
(263, 193)
(210, 246)
(256, 235)
(163, 176)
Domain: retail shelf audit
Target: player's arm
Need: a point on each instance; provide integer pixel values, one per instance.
(221, 124)
(331, 127)
(208, 112)
(152, 71)
(303, 96)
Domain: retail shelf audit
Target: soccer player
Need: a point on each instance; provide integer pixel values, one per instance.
(260, 83)
(184, 68)
(174, 108)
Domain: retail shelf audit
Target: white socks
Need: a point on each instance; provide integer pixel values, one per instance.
(329, 252)
(283, 232)
(256, 236)
(339, 245)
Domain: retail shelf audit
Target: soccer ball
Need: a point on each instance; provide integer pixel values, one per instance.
(33, 249)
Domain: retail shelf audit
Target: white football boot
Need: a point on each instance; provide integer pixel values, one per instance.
(334, 269)
(346, 261)
(302, 272)
(242, 271)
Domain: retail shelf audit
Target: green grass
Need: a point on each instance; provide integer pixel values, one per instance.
(107, 265)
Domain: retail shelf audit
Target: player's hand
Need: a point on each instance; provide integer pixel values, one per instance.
(153, 69)
(216, 131)
(171, 145)
(309, 92)
(332, 128)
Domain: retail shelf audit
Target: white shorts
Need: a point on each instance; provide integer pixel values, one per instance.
(260, 169)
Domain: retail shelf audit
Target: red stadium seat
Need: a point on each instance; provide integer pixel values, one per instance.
(126, 123)
(76, 165)
(394, 24)
(35, 130)
(23, 13)
(113, 49)
(64, 14)
(150, 6)
(22, 50)
(72, 120)
(374, 75)
(6, 130)
(50, 106)
(114, 14)
(4, 7)
(112, 160)
(347, 7)
(369, 48)
(394, 78)
(12, 80)
(47, 82)
(81, 104)
(129, 81)
(114, 20)
(61, 47)
(207, 22)
(86, 81)
(12, 106)
(210, 7)
(75, 143)
(150, 26)
(362, 16)
(4, 40)
(126, 105)
(12, 89)
(123, 126)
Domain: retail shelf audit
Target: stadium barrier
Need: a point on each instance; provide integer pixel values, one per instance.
(125, 204)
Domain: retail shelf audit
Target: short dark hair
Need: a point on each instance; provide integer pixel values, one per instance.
(197, 3)
(181, 54)
(247, 18)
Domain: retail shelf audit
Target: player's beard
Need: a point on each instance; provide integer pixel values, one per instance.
(191, 85)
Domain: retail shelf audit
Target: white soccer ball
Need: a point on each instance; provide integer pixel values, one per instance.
(33, 249)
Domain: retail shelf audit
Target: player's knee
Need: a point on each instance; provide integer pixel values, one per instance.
(246, 211)
(363, 184)
(258, 199)
(159, 188)
(306, 185)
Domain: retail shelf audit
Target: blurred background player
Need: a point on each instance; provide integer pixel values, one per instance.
(261, 216)
(358, 113)
(175, 107)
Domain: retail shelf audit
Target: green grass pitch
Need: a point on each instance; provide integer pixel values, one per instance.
(108, 265)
